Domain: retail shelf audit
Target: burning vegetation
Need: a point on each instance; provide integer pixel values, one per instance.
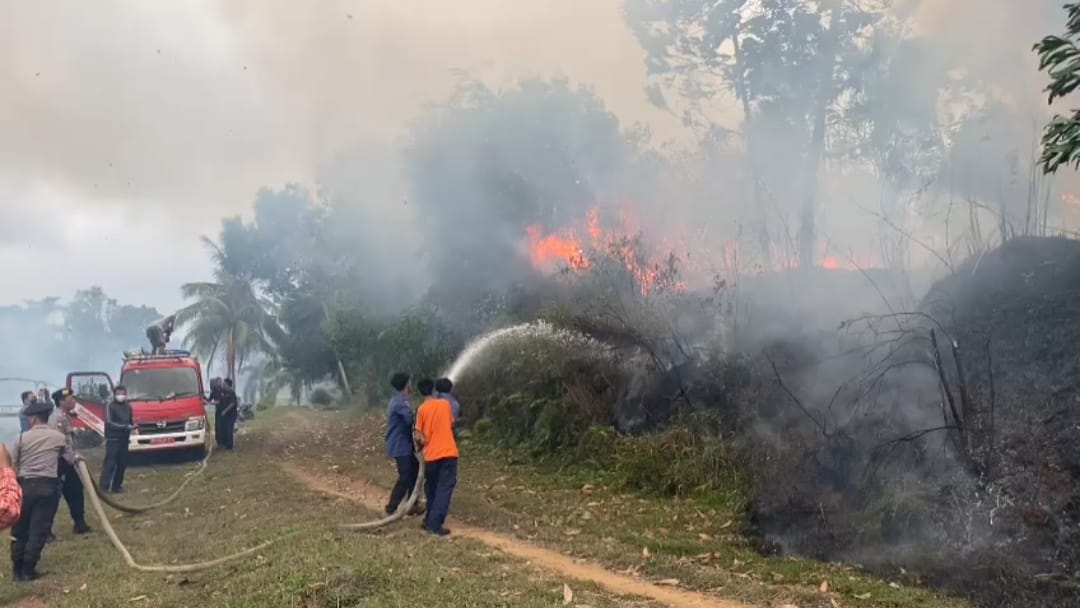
(650, 257)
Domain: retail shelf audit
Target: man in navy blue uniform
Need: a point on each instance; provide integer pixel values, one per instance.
(399, 444)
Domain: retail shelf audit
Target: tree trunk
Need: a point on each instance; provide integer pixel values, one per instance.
(337, 358)
(372, 384)
(210, 360)
(816, 149)
(344, 378)
(230, 357)
(764, 239)
(808, 214)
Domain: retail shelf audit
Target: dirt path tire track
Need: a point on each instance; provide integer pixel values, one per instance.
(370, 496)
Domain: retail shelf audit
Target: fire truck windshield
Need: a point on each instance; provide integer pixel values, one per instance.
(160, 384)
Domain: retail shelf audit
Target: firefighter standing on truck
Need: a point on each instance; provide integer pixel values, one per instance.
(159, 334)
(71, 486)
(37, 455)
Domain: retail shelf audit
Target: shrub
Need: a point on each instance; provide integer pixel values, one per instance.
(482, 427)
(321, 397)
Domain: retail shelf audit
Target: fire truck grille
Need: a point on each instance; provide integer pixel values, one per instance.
(152, 428)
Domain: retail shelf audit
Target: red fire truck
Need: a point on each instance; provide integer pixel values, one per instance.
(166, 396)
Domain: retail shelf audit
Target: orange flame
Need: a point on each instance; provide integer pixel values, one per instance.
(565, 247)
(554, 248)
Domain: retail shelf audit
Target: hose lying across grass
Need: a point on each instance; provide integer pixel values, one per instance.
(105, 498)
(97, 497)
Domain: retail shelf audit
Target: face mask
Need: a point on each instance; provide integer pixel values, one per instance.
(121, 398)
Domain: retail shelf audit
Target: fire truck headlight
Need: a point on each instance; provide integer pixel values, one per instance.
(195, 424)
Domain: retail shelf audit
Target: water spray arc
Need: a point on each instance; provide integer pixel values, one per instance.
(534, 329)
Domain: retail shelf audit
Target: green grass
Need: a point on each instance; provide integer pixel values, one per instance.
(244, 499)
(695, 540)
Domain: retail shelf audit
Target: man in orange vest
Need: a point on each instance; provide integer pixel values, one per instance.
(434, 432)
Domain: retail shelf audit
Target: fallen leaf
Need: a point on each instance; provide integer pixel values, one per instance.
(863, 596)
(670, 582)
(572, 532)
(645, 552)
(835, 604)
(726, 525)
(824, 587)
(83, 587)
(138, 598)
(567, 594)
(894, 585)
(705, 538)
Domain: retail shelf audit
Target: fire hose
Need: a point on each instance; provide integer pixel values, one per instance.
(96, 497)
(161, 503)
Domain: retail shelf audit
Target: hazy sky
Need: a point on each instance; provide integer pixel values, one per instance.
(129, 128)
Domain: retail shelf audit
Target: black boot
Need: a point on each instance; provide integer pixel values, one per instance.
(29, 572)
(81, 527)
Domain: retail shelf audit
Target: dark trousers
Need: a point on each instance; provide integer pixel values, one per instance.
(40, 498)
(408, 467)
(217, 427)
(72, 490)
(224, 428)
(116, 459)
(440, 477)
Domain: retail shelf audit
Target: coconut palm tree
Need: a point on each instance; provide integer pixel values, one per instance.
(228, 314)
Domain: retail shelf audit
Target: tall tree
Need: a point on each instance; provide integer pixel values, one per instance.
(795, 67)
(228, 314)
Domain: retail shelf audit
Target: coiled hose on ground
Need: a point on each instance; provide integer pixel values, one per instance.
(97, 498)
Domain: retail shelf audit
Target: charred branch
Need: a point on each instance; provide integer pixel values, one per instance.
(798, 403)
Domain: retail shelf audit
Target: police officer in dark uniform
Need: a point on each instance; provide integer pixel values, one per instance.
(216, 386)
(36, 460)
(71, 486)
(227, 404)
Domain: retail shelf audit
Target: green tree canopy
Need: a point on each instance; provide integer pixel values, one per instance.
(1059, 57)
(229, 315)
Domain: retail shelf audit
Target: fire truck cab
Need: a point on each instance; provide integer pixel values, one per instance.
(166, 396)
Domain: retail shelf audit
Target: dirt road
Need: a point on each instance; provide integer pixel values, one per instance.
(372, 497)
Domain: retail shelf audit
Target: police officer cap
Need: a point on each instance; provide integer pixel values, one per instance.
(38, 408)
(60, 395)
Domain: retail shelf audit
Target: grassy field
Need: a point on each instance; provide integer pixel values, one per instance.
(696, 543)
(246, 498)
